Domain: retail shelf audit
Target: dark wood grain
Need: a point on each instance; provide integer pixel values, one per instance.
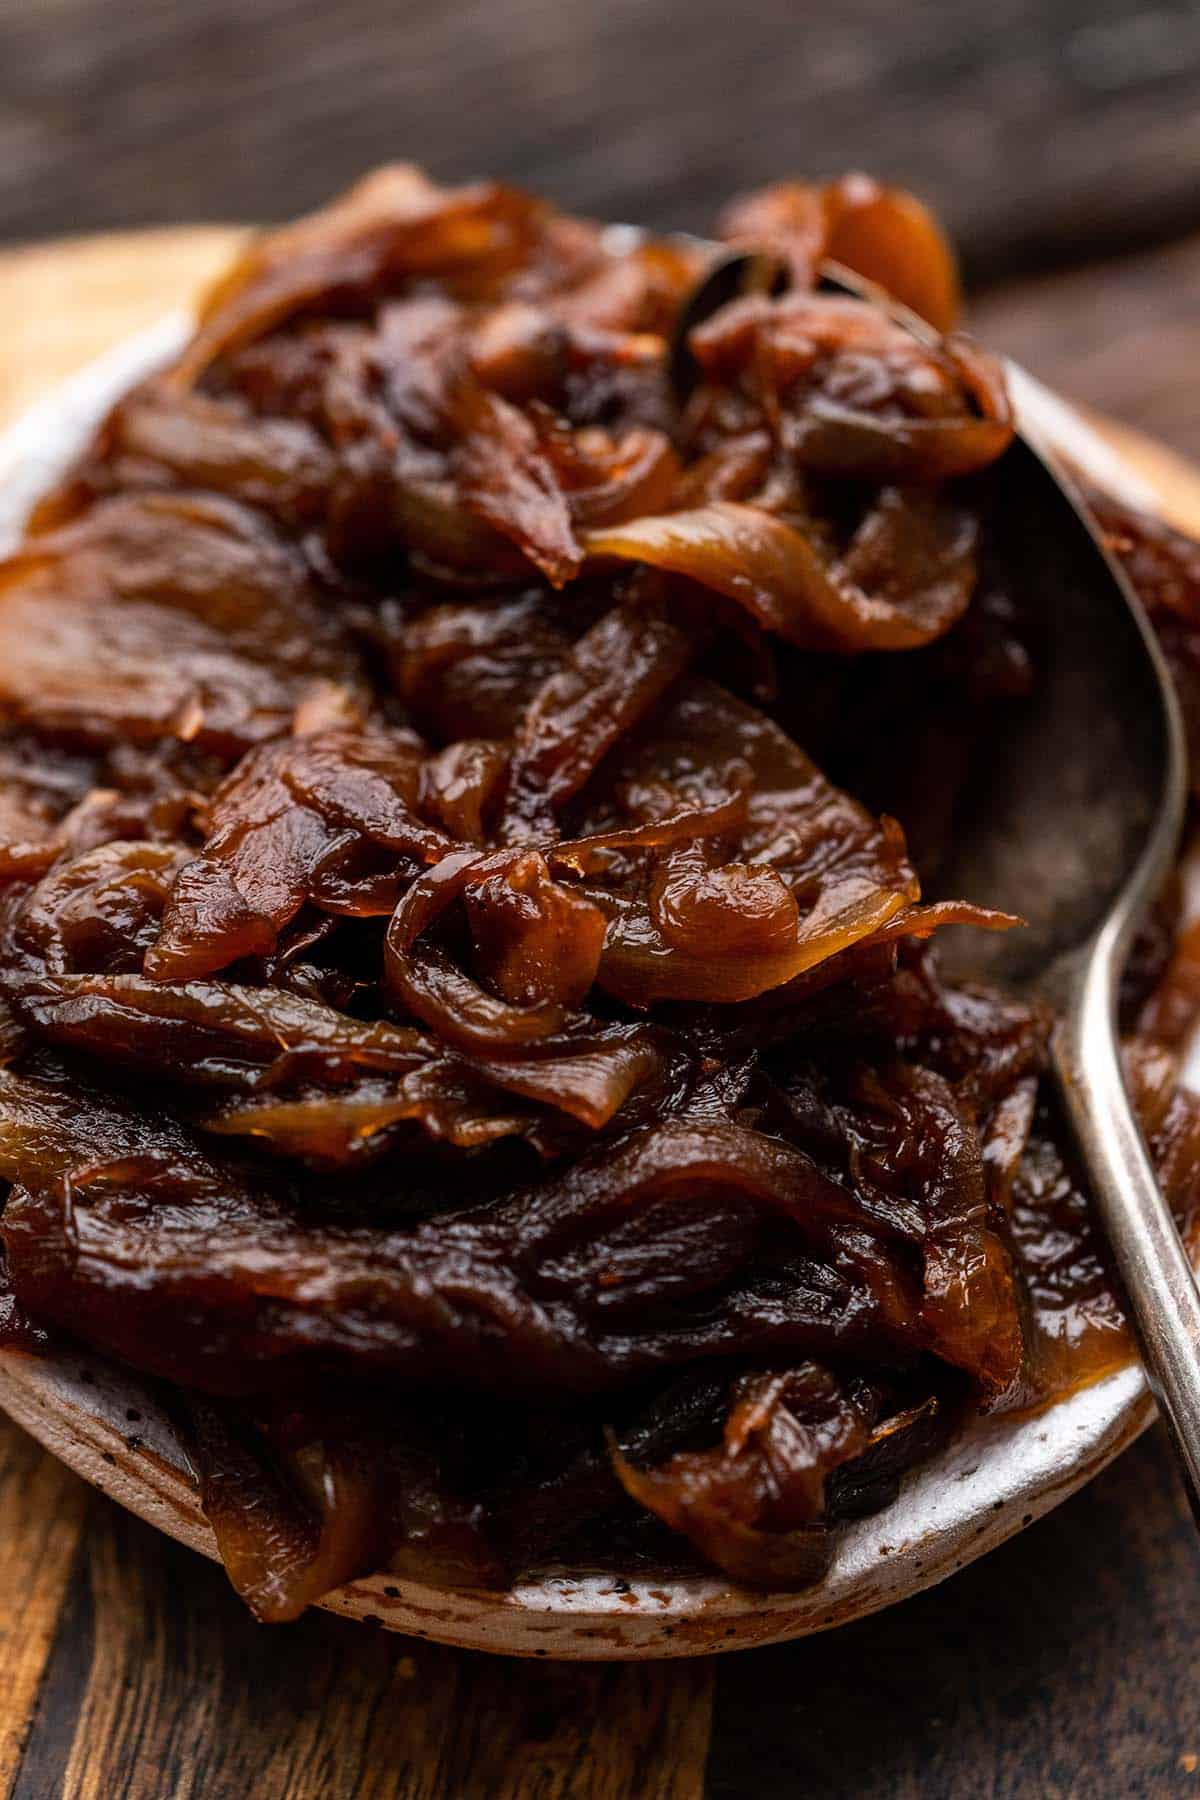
(1063, 1665)
(1042, 130)
(42, 1508)
(161, 1686)
(1124, 335)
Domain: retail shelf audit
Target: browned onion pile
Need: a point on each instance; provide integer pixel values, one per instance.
(455, 1035)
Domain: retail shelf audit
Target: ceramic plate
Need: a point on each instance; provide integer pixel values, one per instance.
(997, 1476)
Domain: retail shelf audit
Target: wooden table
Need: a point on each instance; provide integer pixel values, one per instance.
(1044, 130)
(1063, 1665)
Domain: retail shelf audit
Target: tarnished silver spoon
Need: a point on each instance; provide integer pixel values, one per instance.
(1076, 830)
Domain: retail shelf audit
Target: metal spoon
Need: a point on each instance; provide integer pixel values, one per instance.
(1077, 830)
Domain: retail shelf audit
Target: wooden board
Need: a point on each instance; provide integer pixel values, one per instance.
(1122, 335)
(127, 1667)
(62, 304)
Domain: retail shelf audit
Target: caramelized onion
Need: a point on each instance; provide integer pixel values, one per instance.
(614, 675)
(774, 571)
(423, 978)
(880, 232)
(464, 999)
(274, 825)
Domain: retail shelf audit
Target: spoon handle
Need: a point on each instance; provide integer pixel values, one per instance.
(1160, 1289)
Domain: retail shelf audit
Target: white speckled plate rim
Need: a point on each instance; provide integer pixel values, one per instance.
(997, 1476)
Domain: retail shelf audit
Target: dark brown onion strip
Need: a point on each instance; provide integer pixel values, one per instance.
(923, 921)
(774, 571)
(507, 479)
(585, 853)
(424, 979)
(640, 967)
(615, 674)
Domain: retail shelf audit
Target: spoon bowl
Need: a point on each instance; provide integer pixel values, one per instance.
(1076, 819)
(1077, 826)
